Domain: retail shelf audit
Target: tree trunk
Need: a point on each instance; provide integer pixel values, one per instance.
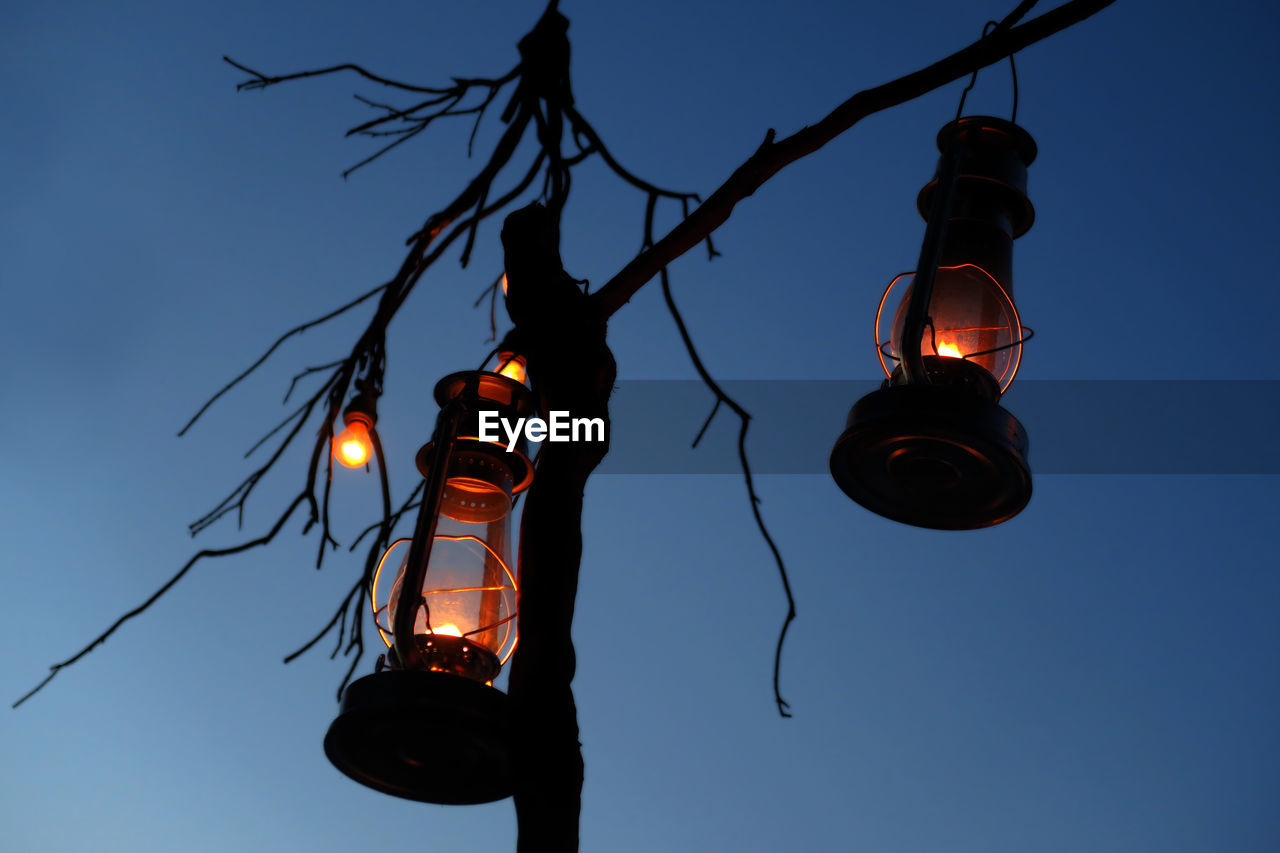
(572, 371)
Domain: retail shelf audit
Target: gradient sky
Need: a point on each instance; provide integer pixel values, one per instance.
(1100, 674)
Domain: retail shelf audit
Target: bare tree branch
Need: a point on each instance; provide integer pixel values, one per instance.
(744, 418)
(155, 596)
(296, 330)
(772, 156)
(542, 99)
(262, 81)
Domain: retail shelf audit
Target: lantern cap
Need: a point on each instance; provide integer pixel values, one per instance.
(939, 456)
(989, 130)
(427, 736)
(474, 391)
(486, 388)
(511, 472)
(993, 165)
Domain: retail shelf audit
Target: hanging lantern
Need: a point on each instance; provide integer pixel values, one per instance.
(933, 447)
(431, 726)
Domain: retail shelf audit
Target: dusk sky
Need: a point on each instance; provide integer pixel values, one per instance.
(1101, 673)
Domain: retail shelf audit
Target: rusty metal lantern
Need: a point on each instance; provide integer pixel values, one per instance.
(430, 725)
(933, 447)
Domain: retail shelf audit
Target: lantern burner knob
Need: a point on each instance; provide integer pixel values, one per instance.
(947, 372)
(458, 655)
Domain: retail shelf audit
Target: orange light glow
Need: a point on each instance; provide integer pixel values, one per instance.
(512, 367)
(352, 447)
(948, 350)
(452, 604)
(504, 284)
(986, 331)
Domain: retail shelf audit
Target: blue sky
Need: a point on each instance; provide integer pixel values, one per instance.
(1098, 674)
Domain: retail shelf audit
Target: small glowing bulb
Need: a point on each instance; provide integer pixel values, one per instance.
(352, 447)
(947, 349)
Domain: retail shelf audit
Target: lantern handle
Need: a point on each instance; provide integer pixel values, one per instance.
(415, 571)
(987, 28)
(935, 234)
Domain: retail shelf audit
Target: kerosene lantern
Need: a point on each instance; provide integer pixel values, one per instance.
(933, 447)
(430, 725)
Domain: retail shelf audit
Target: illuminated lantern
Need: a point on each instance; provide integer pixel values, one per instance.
(933, 447)
(430, 725)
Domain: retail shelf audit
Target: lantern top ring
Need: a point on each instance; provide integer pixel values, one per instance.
(994, 156)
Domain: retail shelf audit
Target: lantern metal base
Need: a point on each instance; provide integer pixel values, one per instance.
(427, 736)
(933, 456)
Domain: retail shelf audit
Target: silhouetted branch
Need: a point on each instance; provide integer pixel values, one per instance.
(744, 418)
(350, 607)
(307, 372)
(409, 504)
(298, 411)
(296, 330)
(238, 496)
(543, 99)
(1017, 14)
(492, 293)
(582, 126)
(155, 596)
(394, 113)
(711, 416)
(772, 156)
(262, 81)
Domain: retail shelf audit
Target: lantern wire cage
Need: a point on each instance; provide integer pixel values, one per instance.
(889, 359)
(382, 610)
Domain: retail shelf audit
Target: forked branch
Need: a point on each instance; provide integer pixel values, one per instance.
(542, 99)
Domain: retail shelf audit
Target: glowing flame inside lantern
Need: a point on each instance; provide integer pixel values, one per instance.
(460, 607)
(972, 318)
(948, 350)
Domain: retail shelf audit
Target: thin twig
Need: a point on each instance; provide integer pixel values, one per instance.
(237, 498)
(307, 372)
(275, 430)
(155, 596)
(394, 519)
(745, 421)
(296, 330)
(261, 81)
